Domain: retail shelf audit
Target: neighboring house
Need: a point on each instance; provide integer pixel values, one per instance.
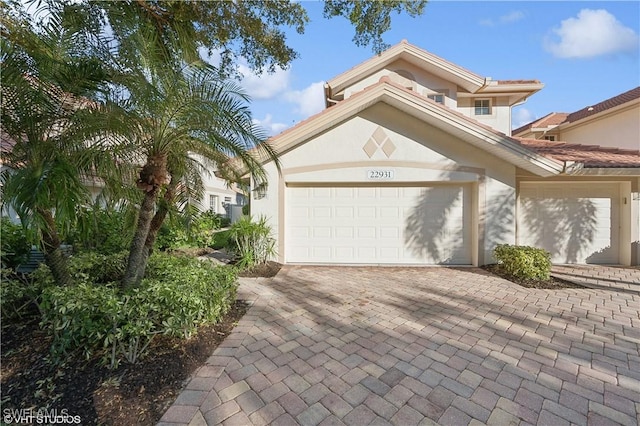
(412, 162)
(610, 123)
(218, 197)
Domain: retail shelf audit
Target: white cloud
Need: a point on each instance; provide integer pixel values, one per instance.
(214, 58)
(309, 100)
(592, 33)
(265, 85)
(514, 16)
(486, 22)
(520, 117)
(510, 17)
(267, 124)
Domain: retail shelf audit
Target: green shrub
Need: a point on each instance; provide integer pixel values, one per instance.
(225, 222)
(251, 241)
(172, 235)
(178, 294)
(183, 231)
(17, 294)
(221, 239)
(96, 267)
(204, 228)
(104, 231)
(14, 246)
(523, 262)
(246, 210)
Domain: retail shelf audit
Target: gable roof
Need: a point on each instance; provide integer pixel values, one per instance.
(605, 105)
(463, 78)
(555, 119)
(589, 156)
(548, 121)
(419, 106)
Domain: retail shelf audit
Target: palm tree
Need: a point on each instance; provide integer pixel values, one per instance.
(174, 114)
(49, 78)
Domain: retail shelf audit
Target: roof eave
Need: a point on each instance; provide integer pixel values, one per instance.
(437, 115)
(606, 171)
(413, 54)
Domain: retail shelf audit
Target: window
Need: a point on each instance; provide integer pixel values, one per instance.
(482, 107)
(437, 97)
(213, 203)
(550, 138)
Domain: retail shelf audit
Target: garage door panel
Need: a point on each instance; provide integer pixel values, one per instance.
(373, 225)
(344, 212)
(576, 223)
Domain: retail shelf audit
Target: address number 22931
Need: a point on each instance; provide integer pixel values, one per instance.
(379, 174)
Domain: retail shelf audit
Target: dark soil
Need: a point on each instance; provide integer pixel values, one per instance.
(552, 283)
(129, 395)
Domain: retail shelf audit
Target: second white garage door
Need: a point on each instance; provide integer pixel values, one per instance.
(576, 223)
(378, 225)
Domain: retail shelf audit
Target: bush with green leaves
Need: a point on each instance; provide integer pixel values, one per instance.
(96, 267)
(204, 227)
(178, 294)
(221, 239)
(251, 241)
(14, 245)
(523, 262)
(185, 231)
(18, 293)
(104, 230)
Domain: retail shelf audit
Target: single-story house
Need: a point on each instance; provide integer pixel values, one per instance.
(413, 163)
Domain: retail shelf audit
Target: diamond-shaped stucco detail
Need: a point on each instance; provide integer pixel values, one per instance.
(370, 148)
(379, 136)
(388, 148)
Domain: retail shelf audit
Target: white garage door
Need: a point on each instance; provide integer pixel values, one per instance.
(378, 225)
(577, 223)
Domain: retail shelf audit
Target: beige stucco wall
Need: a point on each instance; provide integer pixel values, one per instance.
(213, 185)
(500, 118)
(424, 83)
(619, 130)
(422, 154)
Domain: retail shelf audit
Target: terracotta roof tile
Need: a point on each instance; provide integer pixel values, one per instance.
(591, 156)
(552, 119)
(584, 112)
(605, 105)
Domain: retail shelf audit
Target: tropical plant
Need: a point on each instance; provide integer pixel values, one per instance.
(179, 294)
(50, 80)
(14, 247)
(251, 241)
(173, 114)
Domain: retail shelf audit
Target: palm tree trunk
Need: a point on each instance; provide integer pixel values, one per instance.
(53, 255)
(156, 223)
(152, 177)
(136, 253)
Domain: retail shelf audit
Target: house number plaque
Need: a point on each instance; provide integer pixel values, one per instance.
(379, 174)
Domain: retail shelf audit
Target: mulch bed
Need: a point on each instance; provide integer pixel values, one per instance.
(552, 283)
(129, 395)
(268, 270)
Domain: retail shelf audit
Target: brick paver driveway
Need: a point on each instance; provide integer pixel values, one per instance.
(406, 346)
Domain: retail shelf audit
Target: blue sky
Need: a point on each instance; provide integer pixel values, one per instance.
(584, 52)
